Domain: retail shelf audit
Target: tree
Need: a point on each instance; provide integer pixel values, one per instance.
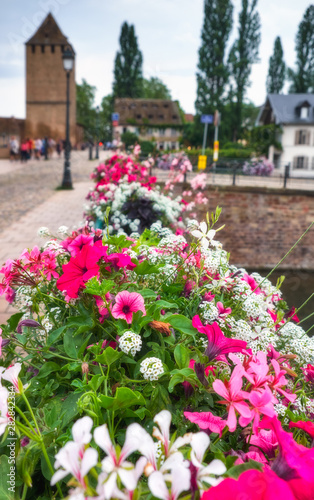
(128, 79)
(85, 112)
(303, 77)
(276, 70)
(154, 88)
(213, 74)
(243, 54)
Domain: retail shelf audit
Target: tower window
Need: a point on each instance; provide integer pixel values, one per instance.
(62, 48)
(52, 49)
(33, 49)
(42, 49)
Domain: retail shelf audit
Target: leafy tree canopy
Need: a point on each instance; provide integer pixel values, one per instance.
(277, 70)
(154, 88)
(302, 78)
(128, 79)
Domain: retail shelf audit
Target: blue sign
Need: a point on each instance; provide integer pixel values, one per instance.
(207, 119)
(115, 117)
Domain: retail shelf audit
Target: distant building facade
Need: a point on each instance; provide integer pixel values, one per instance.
(46, 83)
(295, 115)
(156, 120)
(10, 127)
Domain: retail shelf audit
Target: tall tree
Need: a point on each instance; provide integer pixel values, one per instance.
(276, 70)
(128, 65)
(85, 96)
(154, 88)
(303, 77)
(243, 54)
(212, 75)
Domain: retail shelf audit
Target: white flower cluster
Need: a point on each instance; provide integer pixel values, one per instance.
(43, 232)
(209, 311)
(151, 368)
(130, 343)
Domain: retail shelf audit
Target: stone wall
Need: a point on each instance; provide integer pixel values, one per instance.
(262, 225)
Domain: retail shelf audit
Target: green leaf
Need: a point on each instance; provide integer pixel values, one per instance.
(44, 466)
(94, 287)
(69, 408)
(176, 379)
(123, 398)
(96, 381)
(48, 368)
(182, 324)
(55, 335)
(14, 320)
(148, 294)
(5, 494)
(236, 470)
(182, 356)
(146, 268)
(108, 356)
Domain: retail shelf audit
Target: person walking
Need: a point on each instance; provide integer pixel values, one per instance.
(24, 151)
(38, 146)
(14, 148)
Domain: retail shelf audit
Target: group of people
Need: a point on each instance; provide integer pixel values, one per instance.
(34, 148)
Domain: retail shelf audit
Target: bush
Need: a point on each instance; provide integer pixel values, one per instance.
(128, 139)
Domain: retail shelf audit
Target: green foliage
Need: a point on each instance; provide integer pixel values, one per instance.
(154, 88)
(302, 78)
(213, 74)
(128, 81)
(129, 139)
(261, 138)
(244, 53)
(147, 147)
(276, 70)
(85, 112)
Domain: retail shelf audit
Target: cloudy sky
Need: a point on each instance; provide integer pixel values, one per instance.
(168, 33)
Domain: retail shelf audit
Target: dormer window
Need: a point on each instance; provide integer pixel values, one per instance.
(304, 112)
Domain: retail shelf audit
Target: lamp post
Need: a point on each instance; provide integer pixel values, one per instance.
(97, 133)
(68, 62)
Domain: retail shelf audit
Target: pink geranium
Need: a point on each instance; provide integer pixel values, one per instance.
(218, 344)
(234, 397)
(126, 304)
(251, 485)
(260, 405)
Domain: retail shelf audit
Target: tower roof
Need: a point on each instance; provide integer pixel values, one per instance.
(49, 33)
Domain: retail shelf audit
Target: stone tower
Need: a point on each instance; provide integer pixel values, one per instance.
(46, 84)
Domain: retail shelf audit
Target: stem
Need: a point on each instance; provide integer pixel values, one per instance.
(25, 488)
(286, 255)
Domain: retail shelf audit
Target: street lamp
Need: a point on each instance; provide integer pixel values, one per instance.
(97, 133)
(68, 62)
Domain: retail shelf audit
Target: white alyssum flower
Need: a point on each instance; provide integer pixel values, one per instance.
(151, 368)
(63, 230)
(43, 232)
(130, 343)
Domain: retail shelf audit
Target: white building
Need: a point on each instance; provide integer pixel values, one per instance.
(295, 115)
(156, 120)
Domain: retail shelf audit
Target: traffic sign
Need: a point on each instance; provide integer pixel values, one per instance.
(202, 161)
(115, 117)
(207, 119)
(115, 123)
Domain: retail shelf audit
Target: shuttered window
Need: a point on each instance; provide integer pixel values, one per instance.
(302, 137)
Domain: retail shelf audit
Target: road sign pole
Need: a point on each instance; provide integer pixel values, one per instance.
(204, 138)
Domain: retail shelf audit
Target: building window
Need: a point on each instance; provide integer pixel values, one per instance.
(124, 130)
(62, 48)
(3, 141)
(161, 117)
(304, 112)
(300, 163)
(161, 146)
(138, 117)
(302, 137)
(173, 145)
(166, 106)
(149, 131)
(173, 132)
(52, 49)
(162, 131)
(33, 49)
(42, 49)
(312, 166)
(174, 117)
(144, 105)
(150, 117)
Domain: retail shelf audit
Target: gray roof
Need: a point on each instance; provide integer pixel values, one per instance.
(285, 109)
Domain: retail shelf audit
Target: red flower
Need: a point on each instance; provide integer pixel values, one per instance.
(126, 304)
(79, 269)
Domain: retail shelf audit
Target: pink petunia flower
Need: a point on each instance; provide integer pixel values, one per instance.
(251, 485)
(206, 420)
(218, 344)
(126, 304)
(307, 426)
